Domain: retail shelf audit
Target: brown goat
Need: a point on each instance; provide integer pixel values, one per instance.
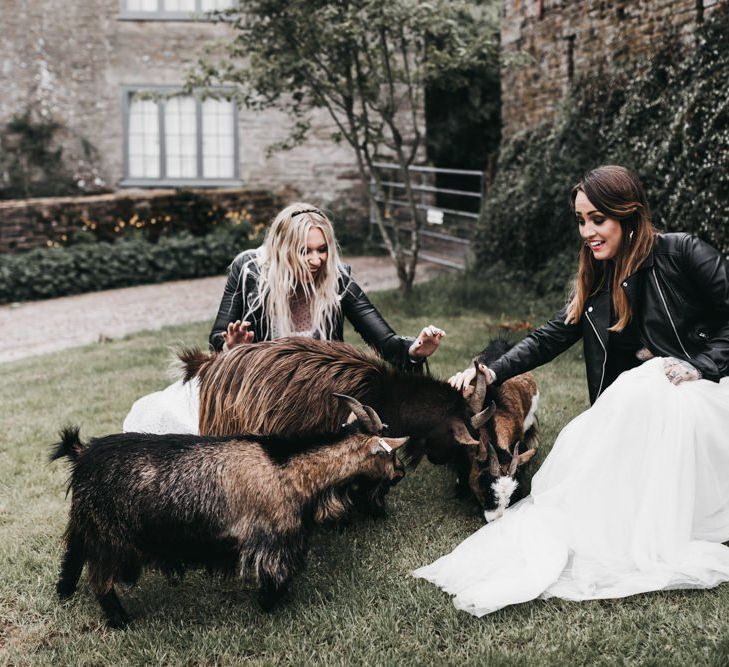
(278, 386)
(234, 504)
(284, 385)
(510, 422)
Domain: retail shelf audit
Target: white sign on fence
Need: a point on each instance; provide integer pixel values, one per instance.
(434, 216)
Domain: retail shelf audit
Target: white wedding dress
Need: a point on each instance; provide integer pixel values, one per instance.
(175, 409)
(633, 497)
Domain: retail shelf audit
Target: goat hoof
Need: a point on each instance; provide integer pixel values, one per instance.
(65, 590)
(376, 511)
(118, 621)
(462, 491)
(267, 603)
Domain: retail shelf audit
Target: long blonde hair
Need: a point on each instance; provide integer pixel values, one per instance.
(617, 193)
(284, 269)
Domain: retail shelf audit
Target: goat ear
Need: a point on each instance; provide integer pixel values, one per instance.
(396, 443)
(526, 456)
(461, 434)
(388, 445)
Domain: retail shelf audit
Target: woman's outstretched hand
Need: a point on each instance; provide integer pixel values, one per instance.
(427, 342)
(678, 371)
(236, 334)
(463, 381)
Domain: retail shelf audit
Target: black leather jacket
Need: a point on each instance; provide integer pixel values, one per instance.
(239, 302)
(681, 296)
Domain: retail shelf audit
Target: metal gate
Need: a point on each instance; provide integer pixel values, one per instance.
(449, 213)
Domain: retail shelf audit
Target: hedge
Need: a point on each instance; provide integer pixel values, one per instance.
(91, 266)
(668, 119)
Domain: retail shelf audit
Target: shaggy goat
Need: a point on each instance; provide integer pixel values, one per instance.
(228, 503)
(495, 473)
(284, 385)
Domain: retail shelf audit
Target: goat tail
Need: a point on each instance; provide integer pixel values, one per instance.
(70, 445)
(193, 359)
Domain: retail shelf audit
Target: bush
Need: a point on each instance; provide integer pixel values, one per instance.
(92, 266)
(667, 119)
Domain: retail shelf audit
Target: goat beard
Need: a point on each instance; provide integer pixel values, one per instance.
(332, 506)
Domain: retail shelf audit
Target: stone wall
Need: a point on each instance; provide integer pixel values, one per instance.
(71, 59)
(546, 44)
(48, 221)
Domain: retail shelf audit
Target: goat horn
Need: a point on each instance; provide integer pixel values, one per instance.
(375, 421)
(514, 459)
(483, 454)
(358, 410)
(475, 401)
(494, 467)
(480, 418)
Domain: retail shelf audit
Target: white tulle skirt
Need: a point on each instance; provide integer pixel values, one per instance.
(172, 410)
(633, 497)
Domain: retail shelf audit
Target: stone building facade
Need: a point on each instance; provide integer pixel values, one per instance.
(547, 43)
(88, 64)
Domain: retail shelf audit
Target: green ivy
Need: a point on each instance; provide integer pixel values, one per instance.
(31, 164)
(86, 267)
(668, 119)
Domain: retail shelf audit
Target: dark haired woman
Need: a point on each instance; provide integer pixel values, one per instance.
(633, 496)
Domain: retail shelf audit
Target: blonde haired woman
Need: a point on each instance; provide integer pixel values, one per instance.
(293, 285)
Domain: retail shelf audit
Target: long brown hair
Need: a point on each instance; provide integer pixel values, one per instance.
(617, 193)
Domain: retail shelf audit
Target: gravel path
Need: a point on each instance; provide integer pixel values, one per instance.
(27, 329)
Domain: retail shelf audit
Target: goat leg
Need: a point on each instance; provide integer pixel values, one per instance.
(270, 591)
(101, 579)
(474, 484)
(369, 498)
(275, 569)
(462, 467)
(71, 566)
(116, 615)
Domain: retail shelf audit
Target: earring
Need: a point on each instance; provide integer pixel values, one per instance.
(630, 236)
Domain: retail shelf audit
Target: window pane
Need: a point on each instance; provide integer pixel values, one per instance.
(180, 138)
(218, 139)
(212, 5)
(142, 5)
(143, 139)
(179, 5)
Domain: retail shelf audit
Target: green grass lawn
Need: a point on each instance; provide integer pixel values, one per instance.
(355, 603)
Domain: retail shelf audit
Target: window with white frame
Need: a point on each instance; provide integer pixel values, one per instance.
(172, 9)
(179, 138)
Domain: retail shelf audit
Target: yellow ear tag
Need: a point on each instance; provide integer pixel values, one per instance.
(385, 446)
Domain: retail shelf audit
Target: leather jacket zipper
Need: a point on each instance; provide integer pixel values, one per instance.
(670, 319)
(604, 360)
